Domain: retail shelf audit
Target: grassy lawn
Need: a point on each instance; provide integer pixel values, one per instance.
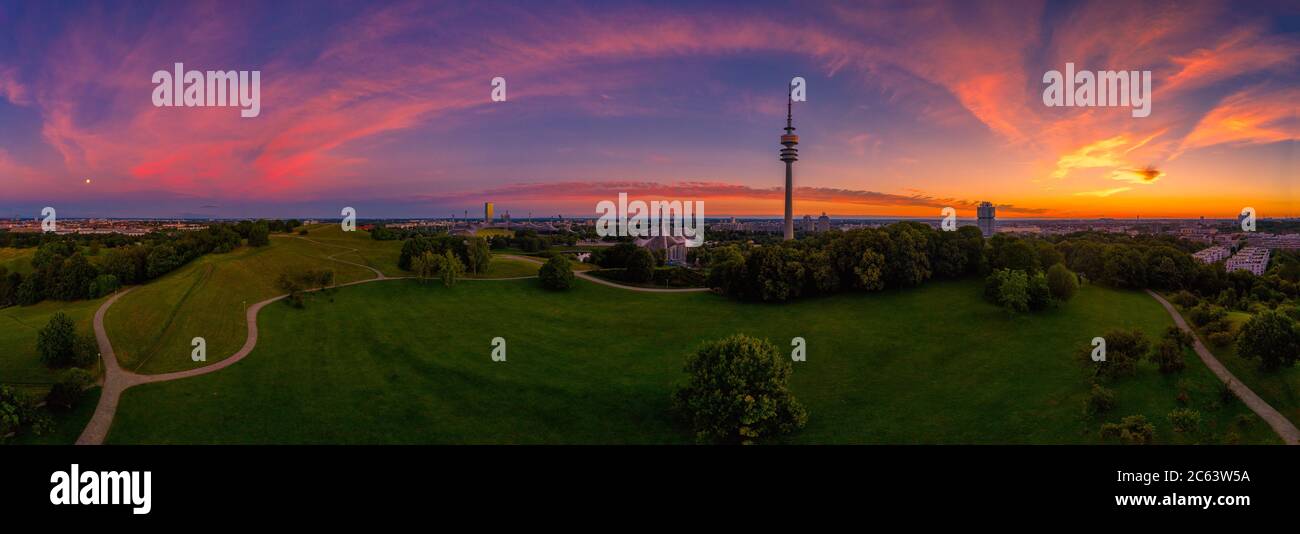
(17, 260)
(507, 268)
(1281, 389)
(152, 327)
(19, 362)
(380, 255)
(494, 232)
(401, 362)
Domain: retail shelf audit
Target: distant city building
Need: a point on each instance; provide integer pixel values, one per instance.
(1212, 254)
(823, 223)
(674, 247)
(808, 224)
(987, 218)
(487, 212)
(1253, 259)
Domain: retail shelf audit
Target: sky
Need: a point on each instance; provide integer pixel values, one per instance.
(385, 107)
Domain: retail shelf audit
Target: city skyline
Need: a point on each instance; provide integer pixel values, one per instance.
(387, 109)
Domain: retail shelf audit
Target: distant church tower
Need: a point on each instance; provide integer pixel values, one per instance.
(789, 155)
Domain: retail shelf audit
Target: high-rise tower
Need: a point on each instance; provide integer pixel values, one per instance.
(789, 155)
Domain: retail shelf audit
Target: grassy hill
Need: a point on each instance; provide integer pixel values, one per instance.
(151, 327)
(17, 260)
(380, 255)
(403, 362)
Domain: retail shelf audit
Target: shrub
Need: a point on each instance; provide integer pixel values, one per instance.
(556, 274)
(19, 413)
(1184, 298)
(1132, 430)
(1185, 420)
(1124, 348)
(69, 389)
(1169, 356)
(1040, 295)
(640, 266)
(1220, 339)
(1099, 400)
(1062, 282)
(1204, 313)
(738, 391)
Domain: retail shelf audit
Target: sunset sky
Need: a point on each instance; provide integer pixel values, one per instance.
(911, 106)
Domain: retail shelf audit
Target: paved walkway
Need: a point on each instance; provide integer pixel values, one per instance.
(1283, 426)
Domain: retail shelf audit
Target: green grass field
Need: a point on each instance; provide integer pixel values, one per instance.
(507, 268)
(152, 327)
(19, 362)
(403, 362)
(17, 260)
(494, 232)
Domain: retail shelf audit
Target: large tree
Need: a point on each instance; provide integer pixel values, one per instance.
(1270, 337)
(738, 392)
(557, 273)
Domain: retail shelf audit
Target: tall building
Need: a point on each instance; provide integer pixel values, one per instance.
(808, 224)
(487, 212)
(987, 218)
(789, 155)
(823, 223)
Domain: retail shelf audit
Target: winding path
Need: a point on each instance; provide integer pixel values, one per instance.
(118, 380)
(1283, 426)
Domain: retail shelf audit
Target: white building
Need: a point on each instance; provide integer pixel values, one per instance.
(1212, 254)
(1253, 259)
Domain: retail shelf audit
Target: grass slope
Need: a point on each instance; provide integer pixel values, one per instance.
(1281, 388)
(401, 362)
(380, 255)
(19, 362)
(152, 326)
(17, 260)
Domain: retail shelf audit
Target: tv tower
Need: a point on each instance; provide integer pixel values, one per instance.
(789, 155)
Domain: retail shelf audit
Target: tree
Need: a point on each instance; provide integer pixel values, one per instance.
(738, 392)
(1014, 254)
(259, 235)
(102, 285)
(1061, 282)
(949, 257)
(1124, 348)
(1099, 400)
(162, 260)
(1124, 268)
(870, 271)
(1169, 352)
(1270, 337)
(556, 274)
(1047, 254)
(1012, 289)
(1040, 295)
(57, 341)
(450, 269)
(477, 255)
(640, 266)
(425, 265)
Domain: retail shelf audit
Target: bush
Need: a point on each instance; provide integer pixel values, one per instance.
(738, 392)
(1132, 430)
(640, 266)
(1169, 356)
(1099, 400)
(19, 413)
(70, 388)
(1205, 313)
(1185, 420)
(556, 274)
(1040, 294)
(1012, 289)
(1124, 348)
(1184, 298)
(1062, 282)
(1220, 339)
